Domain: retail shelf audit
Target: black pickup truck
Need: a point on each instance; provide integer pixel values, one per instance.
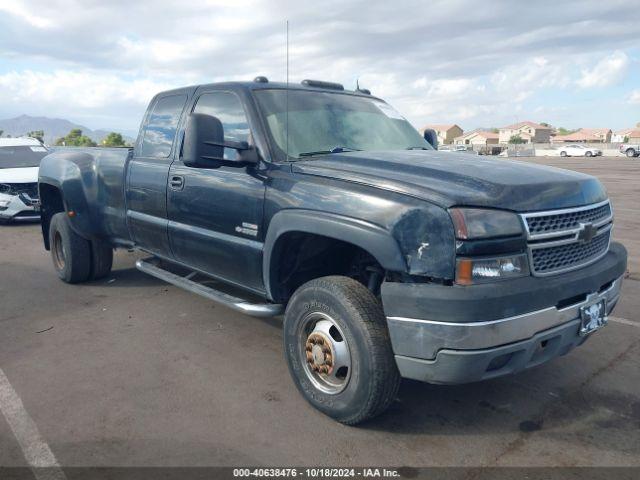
(387, 258)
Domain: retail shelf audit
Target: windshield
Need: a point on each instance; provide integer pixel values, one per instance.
(321, 123)
(21, 156)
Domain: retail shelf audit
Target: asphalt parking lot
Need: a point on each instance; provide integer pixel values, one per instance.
(131, 371)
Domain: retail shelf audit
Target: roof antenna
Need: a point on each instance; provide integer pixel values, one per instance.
(287, 93)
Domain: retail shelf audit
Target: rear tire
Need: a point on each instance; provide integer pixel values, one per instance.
(588, 154)
(70, 252)
(336, 325)
(101, 259)
(563, 154)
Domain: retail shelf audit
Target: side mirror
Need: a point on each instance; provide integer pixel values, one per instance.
(203, 145)
(431, 137)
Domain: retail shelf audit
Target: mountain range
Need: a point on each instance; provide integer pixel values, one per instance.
(53, 128)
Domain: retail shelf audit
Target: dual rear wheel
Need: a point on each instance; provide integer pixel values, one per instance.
(75, 258)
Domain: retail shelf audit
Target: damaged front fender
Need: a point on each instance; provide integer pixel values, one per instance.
(426, 237)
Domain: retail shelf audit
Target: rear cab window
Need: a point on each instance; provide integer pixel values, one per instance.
(162, 123)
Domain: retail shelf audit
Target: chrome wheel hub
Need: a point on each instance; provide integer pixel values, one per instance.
(325, 352)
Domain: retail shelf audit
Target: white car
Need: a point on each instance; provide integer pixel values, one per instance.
(19, 163)
(579, 151)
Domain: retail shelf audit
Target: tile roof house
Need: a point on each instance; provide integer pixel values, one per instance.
(530, 132)
(634, 135)
(619, 135)
(477, 137)
(584, 135)
(445, 133)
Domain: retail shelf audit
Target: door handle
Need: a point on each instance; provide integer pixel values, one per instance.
(176, 182)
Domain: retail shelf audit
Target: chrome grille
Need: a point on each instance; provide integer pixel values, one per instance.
(552, 259)
(568, 220)
(563, 240)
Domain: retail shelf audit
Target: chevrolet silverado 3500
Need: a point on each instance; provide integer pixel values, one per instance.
(387, 258)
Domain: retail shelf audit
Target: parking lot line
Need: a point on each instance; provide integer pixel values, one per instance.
(36, 452)
(624, 321)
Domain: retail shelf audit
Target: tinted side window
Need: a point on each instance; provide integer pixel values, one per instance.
(228, 108)
(162, 123)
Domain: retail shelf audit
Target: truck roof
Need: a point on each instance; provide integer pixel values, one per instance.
(312, 85)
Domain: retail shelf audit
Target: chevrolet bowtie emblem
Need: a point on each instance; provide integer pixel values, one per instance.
(587, 232)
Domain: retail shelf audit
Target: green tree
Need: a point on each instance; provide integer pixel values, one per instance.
(39, 134)
(516, 139)
(495, 130)
(1, 132)
(565, 131)
(114, 140)
(75, 138)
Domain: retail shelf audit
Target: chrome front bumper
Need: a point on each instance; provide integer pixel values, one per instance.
(453, 352)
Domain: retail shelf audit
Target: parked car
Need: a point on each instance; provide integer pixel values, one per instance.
(387, 258)
(19, 161)
(579, 151)
(630, 149)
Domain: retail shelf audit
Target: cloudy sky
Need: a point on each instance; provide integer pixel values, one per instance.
(491, 63)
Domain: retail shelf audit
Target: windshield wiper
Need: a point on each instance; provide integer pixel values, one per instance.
(327, 152)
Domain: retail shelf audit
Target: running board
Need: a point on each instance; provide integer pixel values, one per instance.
(238, 304)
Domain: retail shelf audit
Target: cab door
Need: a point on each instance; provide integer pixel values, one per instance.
(148, 170)
(215, 214)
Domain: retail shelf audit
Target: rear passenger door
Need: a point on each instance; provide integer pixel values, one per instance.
(148, 170)
(215, 214)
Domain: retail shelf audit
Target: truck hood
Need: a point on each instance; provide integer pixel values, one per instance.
(19, 175)
(460, 179)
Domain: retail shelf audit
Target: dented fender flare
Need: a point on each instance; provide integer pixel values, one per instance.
(368, 236)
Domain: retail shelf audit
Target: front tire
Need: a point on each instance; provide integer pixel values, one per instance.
(70, 252)
(588, 154)
(338, 349)
(563, 154)
(630, 153)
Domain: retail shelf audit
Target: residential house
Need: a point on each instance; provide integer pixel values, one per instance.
(445, 133)
(585, 135)
(634, 136)
(477, 137)
(620, 135)
(530, 132)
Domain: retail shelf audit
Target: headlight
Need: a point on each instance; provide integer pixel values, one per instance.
(479, 270)
(4, 203)
(476, 223)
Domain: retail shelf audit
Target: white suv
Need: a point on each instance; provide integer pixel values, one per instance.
(19, 163)
(579, 151)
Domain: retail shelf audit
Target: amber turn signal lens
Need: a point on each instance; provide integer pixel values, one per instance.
(464, 272)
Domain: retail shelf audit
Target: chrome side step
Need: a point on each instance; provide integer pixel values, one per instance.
(238, 304)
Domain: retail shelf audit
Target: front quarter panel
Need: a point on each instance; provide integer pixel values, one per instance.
(422, 231)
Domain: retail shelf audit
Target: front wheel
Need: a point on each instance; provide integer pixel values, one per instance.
(631, 152)
(338, 349)
(563, 154)
(588, 154)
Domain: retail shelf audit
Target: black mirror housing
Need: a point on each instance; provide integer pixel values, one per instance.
(203, 145)
(431, 137)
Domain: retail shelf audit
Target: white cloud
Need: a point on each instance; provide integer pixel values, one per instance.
(634, 97)
(608, 71)
(20, 10)
(98, 58)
